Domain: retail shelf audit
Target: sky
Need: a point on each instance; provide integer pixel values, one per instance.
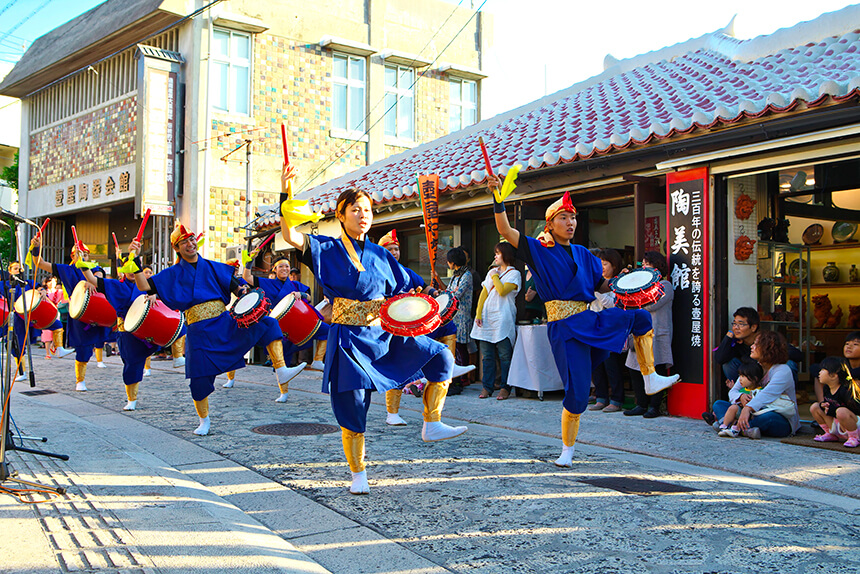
(538, 47)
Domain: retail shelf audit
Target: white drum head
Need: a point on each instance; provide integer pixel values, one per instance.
(136, 313)
(409, 309)
(444, 299)
(32, 298)
(232, 302)
(283, 306)
(634, 280)
(246, 303)
(78, 300)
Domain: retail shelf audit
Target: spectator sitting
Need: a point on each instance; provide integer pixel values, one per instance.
(837, 413)
(764, 414)
(851, 352)
(749, 376)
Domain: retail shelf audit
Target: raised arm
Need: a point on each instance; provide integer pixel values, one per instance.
(140, 279)
(502, 223)
(291, 235)
(36, 245)
(88, 275)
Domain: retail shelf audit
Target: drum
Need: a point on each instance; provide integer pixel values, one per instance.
(250, 308)
(410, 315)
(4, 311)
(91, 307)
(299, 321)
(154, 322)
(448, 305)
(636, 289)
(42, 311)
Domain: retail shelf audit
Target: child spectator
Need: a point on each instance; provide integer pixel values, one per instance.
(750, 374)
(837, 413)
(851, 352)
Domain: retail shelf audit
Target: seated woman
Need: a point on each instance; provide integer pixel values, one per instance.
(763, 415)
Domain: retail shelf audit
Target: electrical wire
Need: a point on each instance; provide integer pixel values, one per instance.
(26, 18)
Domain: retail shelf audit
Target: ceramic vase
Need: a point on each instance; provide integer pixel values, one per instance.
(854, 274)
(830, 273)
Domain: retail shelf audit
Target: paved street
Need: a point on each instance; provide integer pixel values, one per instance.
(662, 495)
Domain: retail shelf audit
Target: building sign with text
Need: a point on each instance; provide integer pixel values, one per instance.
(687, 233)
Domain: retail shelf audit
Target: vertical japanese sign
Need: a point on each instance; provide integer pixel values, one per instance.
(688, 225)
(652, 234)
(428, 186)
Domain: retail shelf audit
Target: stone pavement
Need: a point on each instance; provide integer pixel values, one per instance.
(661, 495)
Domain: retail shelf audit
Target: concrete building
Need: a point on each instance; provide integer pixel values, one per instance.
(177, 106)
(10, 116)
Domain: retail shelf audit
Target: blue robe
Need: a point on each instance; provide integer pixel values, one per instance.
(215, 345)
(132, 350)
(275, 290)
(584, 340)
(18, 324)
(82, 337)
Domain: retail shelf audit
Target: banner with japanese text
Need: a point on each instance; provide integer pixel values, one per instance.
(428, 186)
(687, 233)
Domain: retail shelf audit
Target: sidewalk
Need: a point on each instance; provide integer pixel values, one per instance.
(146, 495)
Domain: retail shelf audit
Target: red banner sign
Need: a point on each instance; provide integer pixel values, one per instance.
(429, 189)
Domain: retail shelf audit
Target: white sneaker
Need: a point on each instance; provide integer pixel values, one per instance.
(229, 384)
(359, 483)
(282, 398)
(178, 362)
(286, 374)
(394, 420)
(82, 386)
(316, 366)
(440, 431)
(21, 377)
(655, 383)
(101, 365)
(130, 406)
(63, 352)
(146, 372)
(566, 458)
(203, 429)
(460, 370)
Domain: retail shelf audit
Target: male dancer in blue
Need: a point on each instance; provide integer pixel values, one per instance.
(215, 342)
(566, 277)
(278, 288)
(82, 337)
(132, 351)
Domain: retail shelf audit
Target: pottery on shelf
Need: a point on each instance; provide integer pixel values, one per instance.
(830, 272)
(854, 274)
(843, 231)
(812, 234)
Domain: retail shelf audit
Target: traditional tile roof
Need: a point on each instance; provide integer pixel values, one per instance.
(708, 82)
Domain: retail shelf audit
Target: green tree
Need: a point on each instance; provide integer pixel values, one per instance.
(7, 239)
(10, 174)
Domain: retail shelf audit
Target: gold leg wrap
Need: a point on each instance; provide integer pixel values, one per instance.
(645, 352)
(276, 353)
(353, 448)
(57, 337)
(392, 400)
(178, 347)
(80, 371)
(284, 387)
(569, 427)
(451, 341)
(320, 353)
(99, 354)
(131, 391)
(434, 400)
(202, 408)
(231, 375)
(148, 363)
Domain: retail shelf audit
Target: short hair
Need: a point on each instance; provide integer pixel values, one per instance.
(507, 251)
(613, 258)
(147, 267)
(456, 256)
(852, 336)
(656, 260)
(751, 370)
(772, 348)
(836, 366)
(748, 313)
(349, 197)
(295, 270)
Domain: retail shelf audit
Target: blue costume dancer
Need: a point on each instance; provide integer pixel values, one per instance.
(357, 276)
(566, 277)
(82, 337)
(215, 343)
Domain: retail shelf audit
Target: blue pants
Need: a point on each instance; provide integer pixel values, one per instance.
(771, 424)
(201, 387)
(608, 381)
(350, 408)
(505, 351)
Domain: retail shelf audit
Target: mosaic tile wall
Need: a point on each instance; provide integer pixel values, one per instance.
(96, 141)
(227, 215)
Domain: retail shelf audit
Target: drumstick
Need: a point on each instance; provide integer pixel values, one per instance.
(265, 241)
(284, 140)
(75, 236)
(115, 242)
(44, 225)
(486, 156)
(140, 231)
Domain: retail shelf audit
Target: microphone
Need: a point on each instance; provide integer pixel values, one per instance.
(15, 217)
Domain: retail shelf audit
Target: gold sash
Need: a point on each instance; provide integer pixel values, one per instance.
(557, 310)
(356, 313)
(203, 311)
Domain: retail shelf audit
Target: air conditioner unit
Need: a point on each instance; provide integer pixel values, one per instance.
(234, 252)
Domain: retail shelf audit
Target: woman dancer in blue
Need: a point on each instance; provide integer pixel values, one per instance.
(82, 337)
(216, 344)
(132, 351)
(566, 277)
(357, 275)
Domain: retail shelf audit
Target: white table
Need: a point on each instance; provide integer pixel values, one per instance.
(532, 364)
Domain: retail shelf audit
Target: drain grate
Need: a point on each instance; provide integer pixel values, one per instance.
(295, 429)
(35, 393)
(640, 486)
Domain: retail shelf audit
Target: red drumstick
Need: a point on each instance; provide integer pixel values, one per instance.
(284, 140)
(486, 156)
(260, 246)
(75, 237)
(139, 235)
(44, 225)
(115, 242)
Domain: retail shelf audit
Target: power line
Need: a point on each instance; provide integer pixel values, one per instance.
(22, 22)
(7, 6)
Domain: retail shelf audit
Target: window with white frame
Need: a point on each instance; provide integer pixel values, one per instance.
(348, 93)
(399, 102)
(464, 104)
(230, 83)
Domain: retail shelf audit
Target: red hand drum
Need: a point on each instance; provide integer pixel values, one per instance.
(298, 320)
(448, 305)
(154, 322)
(410, 315)
(636, 289)
(250, 308)
(42, 311)
(4, 311)
(91, 307)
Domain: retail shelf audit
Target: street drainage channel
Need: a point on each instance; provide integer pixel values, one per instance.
(295, 429)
